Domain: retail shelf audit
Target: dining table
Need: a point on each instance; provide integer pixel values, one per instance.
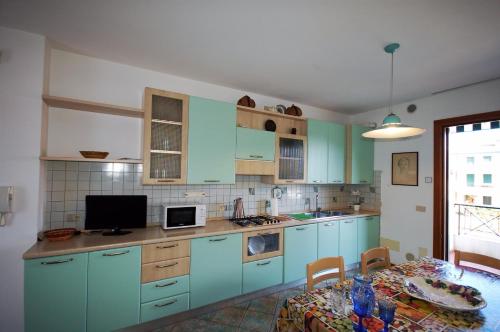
(312, 311)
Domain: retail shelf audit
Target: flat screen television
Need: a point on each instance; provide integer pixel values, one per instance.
(115, 212)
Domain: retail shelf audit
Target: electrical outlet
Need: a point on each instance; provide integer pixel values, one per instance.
(73, 217)
(251, 191)
(308, 200)
(220, 208)
(334, 199)
(420, 208)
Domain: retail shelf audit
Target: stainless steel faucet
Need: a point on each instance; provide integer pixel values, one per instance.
(318, 208)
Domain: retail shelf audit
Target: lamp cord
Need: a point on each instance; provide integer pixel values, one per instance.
(392, 82)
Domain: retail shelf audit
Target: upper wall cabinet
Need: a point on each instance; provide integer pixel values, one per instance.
(291, 161)
(326, 152)
(212, 141)
(336, 153)
(253, 144)
(360, 153)
(165, 137)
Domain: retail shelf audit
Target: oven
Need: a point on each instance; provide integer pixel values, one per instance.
(261, 244)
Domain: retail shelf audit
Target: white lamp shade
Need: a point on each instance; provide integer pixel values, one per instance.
(393, 131)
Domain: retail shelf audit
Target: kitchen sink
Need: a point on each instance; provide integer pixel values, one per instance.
(318, 215)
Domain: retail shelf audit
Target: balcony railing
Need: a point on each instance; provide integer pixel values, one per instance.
(478, 220)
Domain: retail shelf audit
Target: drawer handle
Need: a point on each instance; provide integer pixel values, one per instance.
(300, 229)
(167, 265)
(57, 262)
(117, 253)
(329, 224)
(211, 181)
(317, 181)
(369, 218)
(163, 180)
(166, 285)
(290, 181)
(168, 246)
(217, 240)
(265, 263)
(363, 181)
(165, 304)
(256, 156)
(265, 233)
(348, 221)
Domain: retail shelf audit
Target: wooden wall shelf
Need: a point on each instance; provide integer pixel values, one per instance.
(248, 117)
(124, 161)
(262, 111)
(90, 106)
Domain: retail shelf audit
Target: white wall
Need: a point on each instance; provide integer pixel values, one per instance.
(83, 77)
(21, 82)
(400, 221)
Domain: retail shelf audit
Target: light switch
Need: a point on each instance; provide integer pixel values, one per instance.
(420, 208)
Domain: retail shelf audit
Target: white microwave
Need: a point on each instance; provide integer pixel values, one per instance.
(182, 216)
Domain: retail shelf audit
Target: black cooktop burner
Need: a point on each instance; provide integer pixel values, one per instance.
(255, 220)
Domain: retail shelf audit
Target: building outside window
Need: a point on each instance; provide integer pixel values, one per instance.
(470, 180)
(470, 160)
(487, 178)
(487, 159)
(486, 200)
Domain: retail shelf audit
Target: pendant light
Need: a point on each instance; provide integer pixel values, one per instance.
(391, 126)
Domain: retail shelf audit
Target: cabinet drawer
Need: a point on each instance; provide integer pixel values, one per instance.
(164, 307)
(164, 250)
(164, 288)
(165, 269)
(263, 273)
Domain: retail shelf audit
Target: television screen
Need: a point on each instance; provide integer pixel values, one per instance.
(115, 211)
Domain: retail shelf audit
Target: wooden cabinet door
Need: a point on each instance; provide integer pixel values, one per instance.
(253, 144)
(301, 248)
(55, 293)
(165, 137)
(328, 239)
(368, 233)
(336, 153)
(216, 268)
(114, 288)
(211, 141)
(361, 156)
(348, 243)
(317, 151)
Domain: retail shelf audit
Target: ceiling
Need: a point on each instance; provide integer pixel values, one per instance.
(321, 53)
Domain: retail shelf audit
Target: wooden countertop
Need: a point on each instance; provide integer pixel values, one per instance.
(154, 234)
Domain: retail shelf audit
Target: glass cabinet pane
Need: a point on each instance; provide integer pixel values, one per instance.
(167, 109)
(165, 166)
(166, 137)
(291, 163)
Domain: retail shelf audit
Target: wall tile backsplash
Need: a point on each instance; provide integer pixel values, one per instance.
(69, 182)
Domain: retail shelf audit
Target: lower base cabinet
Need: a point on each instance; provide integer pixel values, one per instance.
(262, 274)
(114, 289)
(301, 248)
(216, 268)
(328, 239)
(368, 233)
(164, 307)
(55, 293)
(348, 241)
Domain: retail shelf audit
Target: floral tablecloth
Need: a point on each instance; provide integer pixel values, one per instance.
(311, 311)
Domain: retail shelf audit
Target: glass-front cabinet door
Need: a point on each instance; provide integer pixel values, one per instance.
(291, 154)
(165, 137)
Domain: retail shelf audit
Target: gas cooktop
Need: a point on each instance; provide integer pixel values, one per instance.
(255, 221)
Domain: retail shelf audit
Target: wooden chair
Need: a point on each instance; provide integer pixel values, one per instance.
(324, 265)
(373, 258)
(476, 259)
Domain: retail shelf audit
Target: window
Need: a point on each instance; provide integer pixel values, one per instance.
(487, 159)
(487, 178)
(486, 200)
(470, 160)
(470, 180)
(469, 199)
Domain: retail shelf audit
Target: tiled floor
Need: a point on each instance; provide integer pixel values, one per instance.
(258, 315)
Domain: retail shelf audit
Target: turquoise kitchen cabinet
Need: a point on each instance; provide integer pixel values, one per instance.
(114, 288)
(156, 290)
(211, 141)
(348, 241)
(368, 233)
(55, 293)
(360, 156)
(317, 151)
(301, 248)
(262, 273)
(328, 239)
(216, 268)
(164, 307)
(254, 144)
(336, 153)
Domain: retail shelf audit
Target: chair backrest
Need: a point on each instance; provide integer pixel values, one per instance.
(476, 259)
(324, 265)
(373, 258)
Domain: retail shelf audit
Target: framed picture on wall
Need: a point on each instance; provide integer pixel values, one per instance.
(405, 168)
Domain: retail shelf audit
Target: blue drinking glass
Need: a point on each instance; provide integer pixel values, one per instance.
(386, 310)
(363, 298)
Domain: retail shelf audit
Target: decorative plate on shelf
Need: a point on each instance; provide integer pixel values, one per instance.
(444, 294)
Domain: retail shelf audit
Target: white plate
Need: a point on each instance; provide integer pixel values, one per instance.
(417, 287)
